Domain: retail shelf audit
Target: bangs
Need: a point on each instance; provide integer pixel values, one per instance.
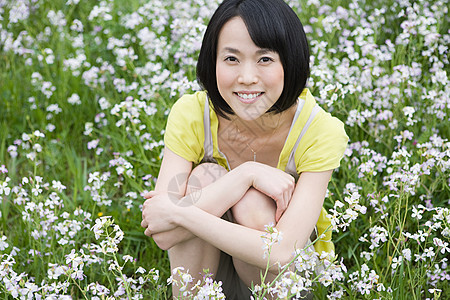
(263, 25)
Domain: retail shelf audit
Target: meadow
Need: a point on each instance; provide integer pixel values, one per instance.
(85, 90)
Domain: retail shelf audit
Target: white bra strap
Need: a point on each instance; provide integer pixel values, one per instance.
(208, 144)
(291, 165)
(300, 105)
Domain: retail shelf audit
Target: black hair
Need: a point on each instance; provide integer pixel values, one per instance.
(272, 25)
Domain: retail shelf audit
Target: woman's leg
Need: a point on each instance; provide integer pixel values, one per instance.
(254, 210)
(195, 255)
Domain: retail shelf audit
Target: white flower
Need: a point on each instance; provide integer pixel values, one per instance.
(416, 214)
(270, 237)
(74, 99)
(429, 252)
(63, 241)
(104, 104)
(25, 137)
(3, 169)
(3, 243)
(133, 195)
(441, 244)
(128, 258)
(36, 190)
(99, 224)
(93, 144)
(4, 189)
(378, 234)
(78, 274)
(57, 185)
(407, 254)
(89, 127)
(50, 127)
(396, 261)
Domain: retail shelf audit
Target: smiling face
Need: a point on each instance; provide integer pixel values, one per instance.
(250, 79)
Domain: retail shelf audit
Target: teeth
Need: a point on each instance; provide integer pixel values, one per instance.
(249, 96)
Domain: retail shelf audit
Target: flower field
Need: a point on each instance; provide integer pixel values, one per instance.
(85, 90)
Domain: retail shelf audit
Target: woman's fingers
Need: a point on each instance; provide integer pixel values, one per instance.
(147, 232)
(285, 198)
(157, 214)
(278, 214)
(144, 223)
(281, 207)
(147, 196)
(150, 194)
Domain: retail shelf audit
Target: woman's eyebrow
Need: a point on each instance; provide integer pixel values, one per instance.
(236, 51)
(232, 50)
(264, 51)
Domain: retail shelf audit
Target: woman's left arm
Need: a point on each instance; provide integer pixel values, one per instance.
(244, 243)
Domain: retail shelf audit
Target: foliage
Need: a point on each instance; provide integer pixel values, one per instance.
(85, 89)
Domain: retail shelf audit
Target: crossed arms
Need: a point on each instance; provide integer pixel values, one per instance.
(297, 209)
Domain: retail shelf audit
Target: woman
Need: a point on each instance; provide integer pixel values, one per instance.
(252, 149)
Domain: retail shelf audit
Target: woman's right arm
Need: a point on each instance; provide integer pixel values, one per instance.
(173, 175)
(172, 183)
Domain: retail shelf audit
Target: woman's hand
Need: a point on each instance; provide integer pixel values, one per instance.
(147, 196)
(273, 182)
(157, 213)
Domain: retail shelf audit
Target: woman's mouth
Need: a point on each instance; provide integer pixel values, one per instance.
(248, 98)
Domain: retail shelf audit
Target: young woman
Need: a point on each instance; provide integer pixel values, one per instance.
(252, 149)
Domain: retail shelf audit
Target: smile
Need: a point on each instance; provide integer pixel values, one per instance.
(249, 97)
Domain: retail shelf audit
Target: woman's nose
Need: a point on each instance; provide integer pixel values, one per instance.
(247, 75)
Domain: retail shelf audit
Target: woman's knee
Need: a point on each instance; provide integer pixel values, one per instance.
(254, 210)
(203, 175)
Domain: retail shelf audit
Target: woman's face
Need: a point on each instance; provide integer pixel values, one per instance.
(249, 78)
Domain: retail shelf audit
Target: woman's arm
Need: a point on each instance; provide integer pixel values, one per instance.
(296, 224)
(216, 198)
(172, 184)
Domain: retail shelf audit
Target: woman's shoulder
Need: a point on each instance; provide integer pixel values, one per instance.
(184, 133)
(324, 140)
(187, 113)
(190, 104)
(321, 120)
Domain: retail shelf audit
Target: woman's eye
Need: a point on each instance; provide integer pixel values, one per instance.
(265, 59)
(231, 58)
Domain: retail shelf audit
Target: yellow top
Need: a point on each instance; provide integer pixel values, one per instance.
(321, 148)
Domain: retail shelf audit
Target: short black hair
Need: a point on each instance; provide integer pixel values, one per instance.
(272, 25)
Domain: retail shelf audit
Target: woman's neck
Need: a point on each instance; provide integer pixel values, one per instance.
(266, 124)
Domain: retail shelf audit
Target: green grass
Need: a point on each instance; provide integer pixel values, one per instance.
(133, 132)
